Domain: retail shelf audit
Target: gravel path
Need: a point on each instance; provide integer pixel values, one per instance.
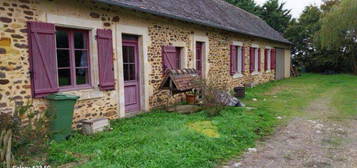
(312, 141)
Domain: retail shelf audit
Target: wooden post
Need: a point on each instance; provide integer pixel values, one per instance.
(5, 147)
(2, 145)
(8, 151)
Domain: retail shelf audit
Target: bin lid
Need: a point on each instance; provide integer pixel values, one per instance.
(61, 96)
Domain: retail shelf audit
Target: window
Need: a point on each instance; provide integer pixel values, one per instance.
(178, 58)
(239, 60)
(199, 57)
(72, 58)
(60, 58)
(256, 59)
(267, 59)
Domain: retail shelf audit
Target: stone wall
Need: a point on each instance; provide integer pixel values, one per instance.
(15, 82)
(163, 35)
(219, 57)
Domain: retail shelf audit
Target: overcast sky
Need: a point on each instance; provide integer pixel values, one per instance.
(296, 6)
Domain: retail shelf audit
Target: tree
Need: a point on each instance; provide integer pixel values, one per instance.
(272, 12)
(301, 33)
(328, 4)
(248, 5)
(339, 31)
(275, 15)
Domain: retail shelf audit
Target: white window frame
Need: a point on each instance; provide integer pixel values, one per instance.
(256, 57)
(268, 59)
(239, 59)
(201, 37)
(240, 56)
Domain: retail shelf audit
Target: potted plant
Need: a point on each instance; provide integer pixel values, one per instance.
(191, 97)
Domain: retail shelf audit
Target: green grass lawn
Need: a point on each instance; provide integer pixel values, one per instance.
(161, 139)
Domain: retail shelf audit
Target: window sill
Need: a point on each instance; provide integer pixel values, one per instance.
(255, 73)
(268, 71)
(84, 93)
(238, 75)
(79, 88)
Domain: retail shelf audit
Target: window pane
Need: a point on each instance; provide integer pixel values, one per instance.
(81, 58)
(129, 37)
(239, 59)
(64, 77)
(63, 58)
(82, 76)
(125, 54)
(132, 72)
(62, 39)
(131, 54)
(128, 54)
(126, 72)
(178, 58)
(256, 59)
(79, 40)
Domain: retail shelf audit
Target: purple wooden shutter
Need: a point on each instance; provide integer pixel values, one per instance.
(233, 60)
(259, 59)
(252, 60)
(266, 59)
(243, 59)
(42, 48)
(169, 57)
(273, 59)
(105, 59)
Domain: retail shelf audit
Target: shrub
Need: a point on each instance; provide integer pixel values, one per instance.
(209, 94)
(25, 133)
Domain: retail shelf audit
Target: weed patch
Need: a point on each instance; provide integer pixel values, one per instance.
(205, 127)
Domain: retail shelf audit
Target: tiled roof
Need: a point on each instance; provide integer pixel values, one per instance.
(213, 13)
(180, 80)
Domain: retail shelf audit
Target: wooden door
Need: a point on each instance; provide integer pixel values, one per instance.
(131, 75)
(280, 64)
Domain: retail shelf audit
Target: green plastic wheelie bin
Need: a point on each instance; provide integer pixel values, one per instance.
(61, 108)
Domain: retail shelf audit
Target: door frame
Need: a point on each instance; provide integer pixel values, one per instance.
(279, 64)
(201, 37)
(135, 44)
(141, 30)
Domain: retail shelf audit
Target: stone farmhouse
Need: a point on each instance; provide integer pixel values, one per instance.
(113, 53)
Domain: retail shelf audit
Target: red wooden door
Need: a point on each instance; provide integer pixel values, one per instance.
(199, 49)
(131, 75)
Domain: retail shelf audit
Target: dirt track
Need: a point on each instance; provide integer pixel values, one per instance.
(312, 141)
